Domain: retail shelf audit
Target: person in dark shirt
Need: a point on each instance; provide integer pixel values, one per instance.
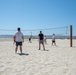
(30, 39)
(41, 40)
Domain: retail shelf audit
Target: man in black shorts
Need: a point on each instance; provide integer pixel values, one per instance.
(18, 38)
(53, 40)
(41, 40)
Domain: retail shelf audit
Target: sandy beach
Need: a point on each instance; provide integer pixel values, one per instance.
(55, 60)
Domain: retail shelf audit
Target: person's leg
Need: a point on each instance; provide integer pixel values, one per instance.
(39, 45)
(16, 49)
(55, 43)
(21, 49)
(43, 45)
(45, 41)
(20, 46)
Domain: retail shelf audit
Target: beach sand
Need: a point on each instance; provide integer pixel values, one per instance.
(55, 60)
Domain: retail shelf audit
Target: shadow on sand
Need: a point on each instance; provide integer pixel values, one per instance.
(44, 50)
(23, 54)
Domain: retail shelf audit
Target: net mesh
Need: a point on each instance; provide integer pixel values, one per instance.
(60, 33)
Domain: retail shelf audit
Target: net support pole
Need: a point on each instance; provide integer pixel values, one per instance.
(70, 35)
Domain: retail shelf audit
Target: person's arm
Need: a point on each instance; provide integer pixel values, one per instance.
(14, 38)
(43, 37)
(23, 38)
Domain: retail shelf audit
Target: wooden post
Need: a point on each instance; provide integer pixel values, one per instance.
(70, 35)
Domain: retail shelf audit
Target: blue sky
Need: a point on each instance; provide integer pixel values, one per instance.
(38, 14)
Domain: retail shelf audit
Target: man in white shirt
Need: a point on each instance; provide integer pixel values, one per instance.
(18, 38)
(53, 40)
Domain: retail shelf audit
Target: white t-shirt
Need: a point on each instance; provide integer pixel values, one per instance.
(44, 37)
(19, 36)
(53, 38)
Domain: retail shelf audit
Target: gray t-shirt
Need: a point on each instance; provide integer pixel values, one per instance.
(19, 36)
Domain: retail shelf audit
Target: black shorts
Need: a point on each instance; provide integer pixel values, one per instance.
(53, 41)
(18, 43)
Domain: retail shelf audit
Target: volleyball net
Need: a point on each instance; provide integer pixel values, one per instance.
(60, 33)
